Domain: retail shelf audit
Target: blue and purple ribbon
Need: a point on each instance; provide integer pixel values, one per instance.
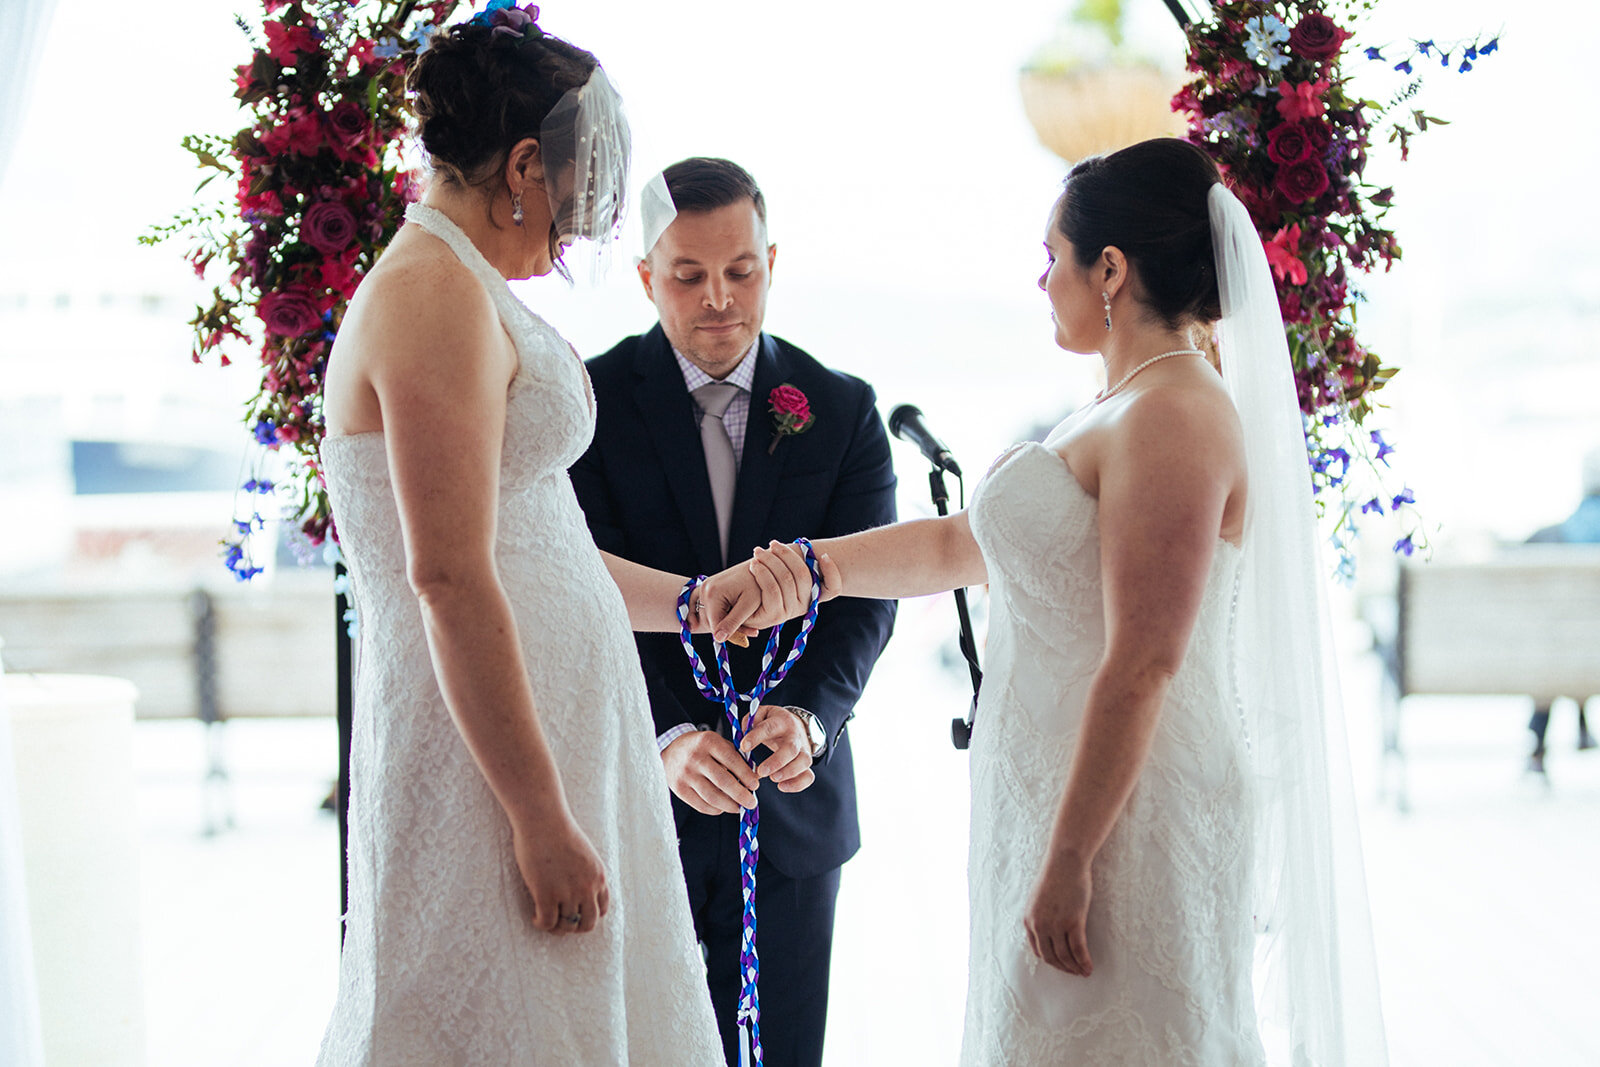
(724, 692)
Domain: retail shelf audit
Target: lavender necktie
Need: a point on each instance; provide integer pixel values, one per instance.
(721, 465)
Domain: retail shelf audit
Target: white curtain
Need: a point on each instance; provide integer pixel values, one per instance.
(22, 30)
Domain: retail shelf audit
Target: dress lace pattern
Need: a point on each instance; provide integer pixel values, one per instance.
(440, 966)
(1170, 924)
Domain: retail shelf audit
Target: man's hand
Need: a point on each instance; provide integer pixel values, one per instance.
(707, 773)
(781, 730)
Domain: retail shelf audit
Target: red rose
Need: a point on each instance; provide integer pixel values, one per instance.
(1288, 144)
(290, 312)
(1316, 36)
(329, 227)
(349, 123)
(1302, 181)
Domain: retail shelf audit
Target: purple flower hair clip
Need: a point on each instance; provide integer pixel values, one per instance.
(508, 20)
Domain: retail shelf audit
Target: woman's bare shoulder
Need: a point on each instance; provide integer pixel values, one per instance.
(417, 298)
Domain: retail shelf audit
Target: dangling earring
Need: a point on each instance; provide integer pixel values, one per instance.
(516, 217)
(1107, 298)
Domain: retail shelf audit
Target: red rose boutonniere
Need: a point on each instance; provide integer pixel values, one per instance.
(791, 414)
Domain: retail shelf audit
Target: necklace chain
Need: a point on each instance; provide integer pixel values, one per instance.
(1106, 394)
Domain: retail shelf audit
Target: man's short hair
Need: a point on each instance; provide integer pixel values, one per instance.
(704, 183)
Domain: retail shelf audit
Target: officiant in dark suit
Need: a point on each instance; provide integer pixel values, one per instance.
(713, 438)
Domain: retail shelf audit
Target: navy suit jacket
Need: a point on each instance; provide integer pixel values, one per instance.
(644, 489)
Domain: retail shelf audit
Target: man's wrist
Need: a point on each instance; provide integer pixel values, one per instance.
(665, 739)
(816, 734)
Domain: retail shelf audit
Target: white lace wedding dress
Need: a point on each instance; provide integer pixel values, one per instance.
(1170, 927)
(440, 965)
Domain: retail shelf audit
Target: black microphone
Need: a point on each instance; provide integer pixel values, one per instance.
(905, 422)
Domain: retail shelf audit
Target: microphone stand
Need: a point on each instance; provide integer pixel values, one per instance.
(960, 728)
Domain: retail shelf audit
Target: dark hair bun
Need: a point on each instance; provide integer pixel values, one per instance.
(476, 93)
(1151, 200)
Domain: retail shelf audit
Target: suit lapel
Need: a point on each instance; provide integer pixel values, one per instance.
(667, 411)
(759, 470)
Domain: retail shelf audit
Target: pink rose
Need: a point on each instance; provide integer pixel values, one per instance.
(329, 227)
(1302, 181)
(1316, 36)
(290, 312)
(787, 400)
(791, 413)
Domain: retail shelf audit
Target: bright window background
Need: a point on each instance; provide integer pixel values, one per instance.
(908, 196)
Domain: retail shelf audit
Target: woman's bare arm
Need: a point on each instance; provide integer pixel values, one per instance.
(440, 364)
(1166, 470)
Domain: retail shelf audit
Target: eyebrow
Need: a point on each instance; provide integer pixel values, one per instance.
(690, 261)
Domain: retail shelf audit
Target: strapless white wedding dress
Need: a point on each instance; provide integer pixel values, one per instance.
(1170, 927)
(440, 965)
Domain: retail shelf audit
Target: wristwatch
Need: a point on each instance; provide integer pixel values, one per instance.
(816, 736)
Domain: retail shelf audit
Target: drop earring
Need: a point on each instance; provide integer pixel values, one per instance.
(1107, 298)
(516, 217)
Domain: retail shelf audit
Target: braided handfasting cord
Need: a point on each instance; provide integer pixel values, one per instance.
(723, 691)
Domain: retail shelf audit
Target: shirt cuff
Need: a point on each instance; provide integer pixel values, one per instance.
(676, 732)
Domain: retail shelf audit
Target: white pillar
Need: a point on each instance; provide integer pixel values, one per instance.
(20, 1041)
(73, 741)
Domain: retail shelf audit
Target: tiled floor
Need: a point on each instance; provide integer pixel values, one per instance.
(1483, 896)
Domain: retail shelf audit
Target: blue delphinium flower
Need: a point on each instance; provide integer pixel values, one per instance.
(386, 47)
(266, 432)
(1373, 53)
(236, 562)
(1404, 496)
(1404, 66)
(1343, 459)
(1404, 546)
(1373, 505)
(422, 36)
(1384, 448)
(1265, 34)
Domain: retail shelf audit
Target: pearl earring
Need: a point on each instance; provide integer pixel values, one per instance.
(1107, 298)
(516, 216)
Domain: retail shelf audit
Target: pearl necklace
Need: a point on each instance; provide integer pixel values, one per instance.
(1106, 394)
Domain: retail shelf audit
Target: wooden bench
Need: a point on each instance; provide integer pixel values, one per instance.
(271, 652)
(215, 653)
(1522, 622)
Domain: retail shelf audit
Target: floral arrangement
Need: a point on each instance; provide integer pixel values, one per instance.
(791, 413)
(1273, 103)
(319, 190)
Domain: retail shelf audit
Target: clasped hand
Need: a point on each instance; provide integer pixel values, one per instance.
(771, 588)
(709, 774)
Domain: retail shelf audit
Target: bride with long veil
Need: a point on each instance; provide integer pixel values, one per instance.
(1164, 867)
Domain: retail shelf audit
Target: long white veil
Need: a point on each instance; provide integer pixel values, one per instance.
(1316, 979)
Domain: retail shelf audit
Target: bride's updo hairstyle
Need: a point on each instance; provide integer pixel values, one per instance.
(1151, 201)
(477, 91)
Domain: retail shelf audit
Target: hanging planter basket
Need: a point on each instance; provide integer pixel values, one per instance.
(1099, 109)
